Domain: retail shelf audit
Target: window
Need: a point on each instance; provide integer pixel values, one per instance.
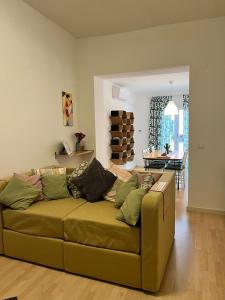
(181, 122)
(174, 131)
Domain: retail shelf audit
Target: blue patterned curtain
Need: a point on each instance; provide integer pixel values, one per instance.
(167, 132)
(157, 105)
(161, 128)
(186, 121)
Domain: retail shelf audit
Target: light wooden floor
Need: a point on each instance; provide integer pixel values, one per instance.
(196, 269)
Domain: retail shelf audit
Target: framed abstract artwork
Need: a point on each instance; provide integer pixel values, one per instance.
(67, 104)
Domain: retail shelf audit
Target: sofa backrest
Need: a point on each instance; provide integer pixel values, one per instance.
(1, 230)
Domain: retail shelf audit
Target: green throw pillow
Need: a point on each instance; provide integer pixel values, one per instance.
(55, 186)
(124, 189)
(18, 194)
(3, 184)
(130, 211)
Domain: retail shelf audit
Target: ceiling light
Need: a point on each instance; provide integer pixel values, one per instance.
(171, 108)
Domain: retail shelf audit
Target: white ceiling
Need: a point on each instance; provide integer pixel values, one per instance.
(85, 18)
(156, 84)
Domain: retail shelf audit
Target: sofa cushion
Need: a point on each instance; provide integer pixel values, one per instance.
(43, 218)
(76, 172)
(55, 186)
(94, 181)
(95, 224)
(124, 189)
(3, 184)
(111, 194)
(130, 211)
(18, 194)
(50, 171)
(35, 180)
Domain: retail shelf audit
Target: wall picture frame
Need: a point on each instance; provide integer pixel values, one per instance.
(67, 148)
(67, 106)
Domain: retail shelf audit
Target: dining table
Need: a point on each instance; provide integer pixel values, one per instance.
(157, 155)
(155, 160)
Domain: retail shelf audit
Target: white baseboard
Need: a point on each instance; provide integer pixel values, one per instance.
(206, 210)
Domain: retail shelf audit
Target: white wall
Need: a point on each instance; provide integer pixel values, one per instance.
(104, 103)
(141, 111)
(38, 62)
(199, 44)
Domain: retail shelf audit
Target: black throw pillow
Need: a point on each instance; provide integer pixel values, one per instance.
(94, 181)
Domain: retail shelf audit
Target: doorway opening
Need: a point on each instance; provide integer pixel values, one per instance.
(147, 95)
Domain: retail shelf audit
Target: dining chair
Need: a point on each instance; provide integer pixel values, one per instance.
(179, 167)
(152, 164)
(156, 164)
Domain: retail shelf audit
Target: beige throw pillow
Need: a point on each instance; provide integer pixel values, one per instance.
(49, 171)
(122, 174)
(111, 194)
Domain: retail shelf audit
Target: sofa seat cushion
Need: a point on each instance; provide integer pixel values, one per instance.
(43, 218)
(95, 224)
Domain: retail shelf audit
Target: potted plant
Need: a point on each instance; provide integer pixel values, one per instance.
(167, 148)
(79, 137)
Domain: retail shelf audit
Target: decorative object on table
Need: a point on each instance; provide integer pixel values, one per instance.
(67, 103)
(122, 132)
(66, 148)
(79, 137)
(167, 148)
(164, 154)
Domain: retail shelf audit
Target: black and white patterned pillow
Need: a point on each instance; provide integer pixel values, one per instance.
(71, 185)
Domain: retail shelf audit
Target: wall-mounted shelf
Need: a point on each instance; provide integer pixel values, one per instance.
(74, 154)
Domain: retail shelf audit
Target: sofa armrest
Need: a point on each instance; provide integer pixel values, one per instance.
(1, 230)
(157, 232)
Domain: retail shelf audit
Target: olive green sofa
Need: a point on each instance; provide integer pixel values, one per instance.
(85, 238)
